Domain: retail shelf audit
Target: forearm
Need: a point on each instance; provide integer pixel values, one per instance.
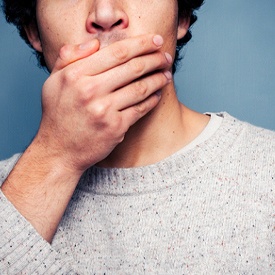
(85, 115)
(40, 188)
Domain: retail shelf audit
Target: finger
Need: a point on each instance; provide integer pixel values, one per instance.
(71, 53)
(120, 52)
(139, 90)
(128, 72)
(132, 114)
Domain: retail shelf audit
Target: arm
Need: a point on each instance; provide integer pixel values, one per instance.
(22, 250)
(82, 122)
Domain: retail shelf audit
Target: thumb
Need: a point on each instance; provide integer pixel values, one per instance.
(71, 53)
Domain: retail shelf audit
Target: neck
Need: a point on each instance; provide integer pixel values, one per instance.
(162, 132)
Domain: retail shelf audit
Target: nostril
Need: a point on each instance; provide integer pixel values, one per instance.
(96, 26)
(106, 19)
(99, 27)
(117, 23)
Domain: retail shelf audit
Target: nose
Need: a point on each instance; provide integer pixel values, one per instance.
(106, 15)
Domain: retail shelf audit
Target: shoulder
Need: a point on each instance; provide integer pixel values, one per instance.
(6, 166)
(248, 143)
(248, 134)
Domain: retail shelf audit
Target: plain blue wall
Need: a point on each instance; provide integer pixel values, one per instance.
(228, 66)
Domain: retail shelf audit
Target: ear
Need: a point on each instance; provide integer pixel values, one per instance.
(33, 36)
(183, 27)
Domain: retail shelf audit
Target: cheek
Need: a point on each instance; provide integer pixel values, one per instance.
(165, 27)
(53, 39)
(160, 17)
(55, 31)
(50, 47)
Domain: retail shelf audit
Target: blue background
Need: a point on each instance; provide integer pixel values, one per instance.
(228, 66)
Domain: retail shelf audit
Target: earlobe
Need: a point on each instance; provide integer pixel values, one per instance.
(33, 36)
(183, 27)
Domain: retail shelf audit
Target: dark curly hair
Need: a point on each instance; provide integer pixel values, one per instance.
(23, 13)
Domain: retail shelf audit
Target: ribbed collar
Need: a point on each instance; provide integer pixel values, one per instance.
(175, 169)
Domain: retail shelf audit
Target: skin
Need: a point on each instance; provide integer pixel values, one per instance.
(109, 95)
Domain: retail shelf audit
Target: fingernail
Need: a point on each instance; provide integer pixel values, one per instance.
(168, 57)
(168, 75)
(158, 40)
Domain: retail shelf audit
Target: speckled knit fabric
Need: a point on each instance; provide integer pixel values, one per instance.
(208, 209)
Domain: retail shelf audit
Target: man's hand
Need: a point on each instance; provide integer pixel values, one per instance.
(89, 101)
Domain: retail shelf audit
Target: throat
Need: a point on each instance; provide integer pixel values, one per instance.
(137, 149)
(156, 136)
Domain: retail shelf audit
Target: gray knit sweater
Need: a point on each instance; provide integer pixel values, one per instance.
(207, 209)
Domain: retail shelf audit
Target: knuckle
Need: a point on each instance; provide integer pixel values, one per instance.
(143, 42)
(117, 136)
(140, 108)
(161, 60)
(118, 130)
(165, 79)
(117, 125)
(160, 80)
(121, 138)
(64, 53)
(70, 76)
(120, 53)
(93, 88)
(100, 111)
(84, 97)
(137, 66)
(140, 88)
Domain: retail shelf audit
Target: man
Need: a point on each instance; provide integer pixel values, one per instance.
(122, 178)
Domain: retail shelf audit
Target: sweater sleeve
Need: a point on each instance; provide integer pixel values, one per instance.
(22, 249)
